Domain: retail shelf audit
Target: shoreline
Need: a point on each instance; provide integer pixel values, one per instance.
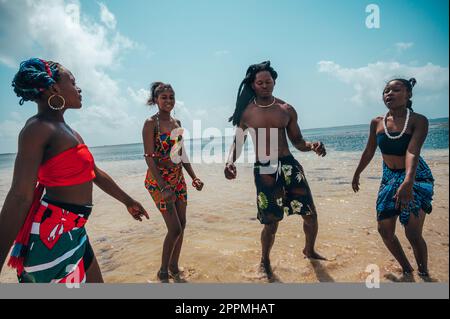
(222, 228)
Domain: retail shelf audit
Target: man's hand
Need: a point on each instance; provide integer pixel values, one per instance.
(319, 148)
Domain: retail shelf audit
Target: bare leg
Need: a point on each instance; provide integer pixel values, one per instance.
(181, 212)
(93, 273)
(310, 223)
(174, 231)
(413, 232)
(267, 240)
(386, 228)
(311, 227)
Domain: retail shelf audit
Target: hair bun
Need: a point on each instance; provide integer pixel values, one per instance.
(412, 81)
(34, 76)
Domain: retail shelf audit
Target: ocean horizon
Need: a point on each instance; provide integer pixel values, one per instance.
(347, 138)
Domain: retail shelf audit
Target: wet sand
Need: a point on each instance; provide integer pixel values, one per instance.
(222, 235)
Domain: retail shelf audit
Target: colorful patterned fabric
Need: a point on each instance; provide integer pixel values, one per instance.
(71, 167)
(163, 145)
(286, 191)
(167, 148)
(167, 144)
(422, 192)
(174, 177)
(59, 249)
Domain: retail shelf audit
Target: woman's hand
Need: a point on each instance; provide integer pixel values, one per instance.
(355, 183)
(136, 210)
(404, 196)
(197, 183)
(230, 171)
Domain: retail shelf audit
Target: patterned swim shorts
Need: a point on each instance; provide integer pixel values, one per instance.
(282, 190)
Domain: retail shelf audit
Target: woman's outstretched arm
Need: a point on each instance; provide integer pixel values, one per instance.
(367, 154)
(107, 184)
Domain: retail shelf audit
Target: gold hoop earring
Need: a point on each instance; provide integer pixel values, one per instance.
(54, 107)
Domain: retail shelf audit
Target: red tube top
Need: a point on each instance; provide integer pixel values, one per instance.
(70, 167)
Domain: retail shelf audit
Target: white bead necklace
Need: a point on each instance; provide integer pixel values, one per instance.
(273, 102)
(404, 128)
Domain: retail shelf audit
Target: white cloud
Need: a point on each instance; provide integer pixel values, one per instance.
(402, 46)
(107, 17)
(140, 96)
(183, 112)
(369, 81)
(87, 48)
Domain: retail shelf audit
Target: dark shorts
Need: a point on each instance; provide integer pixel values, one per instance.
(282, 189)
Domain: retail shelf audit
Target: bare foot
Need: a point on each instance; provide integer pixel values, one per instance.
(425, 276)
(163, 276)
(175, 270)
(407, 277)
(408, 270)
(390, 276)
(266, 268)
(423, 273)
(177, 276)
(312, 255)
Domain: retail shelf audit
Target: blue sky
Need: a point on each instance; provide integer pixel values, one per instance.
(331, 66)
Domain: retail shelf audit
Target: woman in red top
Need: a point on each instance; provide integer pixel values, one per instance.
(51, 244)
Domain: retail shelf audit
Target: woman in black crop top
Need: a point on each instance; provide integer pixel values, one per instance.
(406, 188)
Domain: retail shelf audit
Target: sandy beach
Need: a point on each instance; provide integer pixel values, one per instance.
(222, 235)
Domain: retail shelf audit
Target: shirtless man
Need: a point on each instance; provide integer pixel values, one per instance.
(282, 189)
